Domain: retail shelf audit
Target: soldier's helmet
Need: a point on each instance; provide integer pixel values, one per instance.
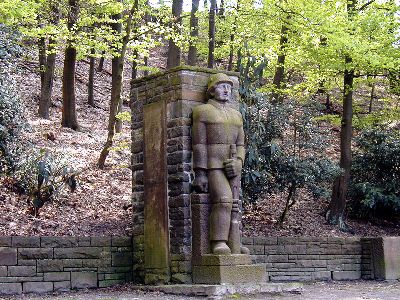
(217, 78)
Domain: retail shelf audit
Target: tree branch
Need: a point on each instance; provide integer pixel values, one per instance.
(365, 5)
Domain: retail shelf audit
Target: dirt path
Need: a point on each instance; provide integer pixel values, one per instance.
(354, 290)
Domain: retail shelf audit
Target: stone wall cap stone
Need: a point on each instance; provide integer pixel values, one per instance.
(26, 241)
(182, 68)
(58, 242)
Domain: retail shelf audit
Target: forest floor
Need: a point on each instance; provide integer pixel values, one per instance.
(99, 206)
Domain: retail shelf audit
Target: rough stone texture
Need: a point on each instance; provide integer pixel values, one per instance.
(58, 242)
(8, 256)
(156, 231)
(386, 258)
(26, 242)
(229, 274)
(100, 241)
(27, 271)
(81, 280)
(79, 252)
(346, 275)
(5, 241)
(62, 286)
(57, 276)
(225, 260)
(230, 291)
(79, 262)
(35, 253)
(284, 259)
(180, 89)
(10, 288)
(313, 258)
(201, 209)
(37, 287)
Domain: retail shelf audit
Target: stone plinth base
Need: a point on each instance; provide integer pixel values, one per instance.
(228, 269)
(205, 290)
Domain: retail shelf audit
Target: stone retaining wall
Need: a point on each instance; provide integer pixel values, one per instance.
(47, 264)
(313, 258)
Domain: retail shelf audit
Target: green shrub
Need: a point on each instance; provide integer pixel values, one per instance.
(375, 183)
(40, 175)
(43, 177)
(285, 148)
(11, 111)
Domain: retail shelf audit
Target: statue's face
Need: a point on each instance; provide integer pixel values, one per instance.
(222, 92)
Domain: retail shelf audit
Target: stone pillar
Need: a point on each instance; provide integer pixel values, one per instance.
(385, 258)
(162, 171)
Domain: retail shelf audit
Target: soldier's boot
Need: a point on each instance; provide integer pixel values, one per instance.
(244, 250)
(219, 226)
(220, 248)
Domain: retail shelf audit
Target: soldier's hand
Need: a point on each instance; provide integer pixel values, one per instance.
(200, 183)
(233, 167)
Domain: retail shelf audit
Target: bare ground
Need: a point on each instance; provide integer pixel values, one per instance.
(97, 206)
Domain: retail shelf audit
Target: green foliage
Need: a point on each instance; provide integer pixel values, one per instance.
(11, 116)
(43, 177)
(375, 183)
(48, 19)
(394, 82)
(285, 147)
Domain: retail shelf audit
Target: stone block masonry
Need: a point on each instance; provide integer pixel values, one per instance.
(49, 264)
(313, 258)
(176, 91)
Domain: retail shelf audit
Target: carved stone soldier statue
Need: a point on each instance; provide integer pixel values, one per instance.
(218, 155)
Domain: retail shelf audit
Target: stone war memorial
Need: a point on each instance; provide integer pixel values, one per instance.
(188, 152)
(188, 149)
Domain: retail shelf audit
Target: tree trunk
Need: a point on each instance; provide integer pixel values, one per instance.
(211, 34)
(336, 209)
(48, 67)
(116, 78)
(42, 59)
(371, 98)
(221, 10)
(230, 62)
(328, 103)
(91, 79)
(134, 73)
(232, 38)
(118, 122)
(146, 64)
(101, 62)
(194, 33)
(338, 200)
(174, 52)
(117, 72)
(289, 203)
(47, 86)
(114, 103)
(279, 76)
(147, 19)
(68, 90)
